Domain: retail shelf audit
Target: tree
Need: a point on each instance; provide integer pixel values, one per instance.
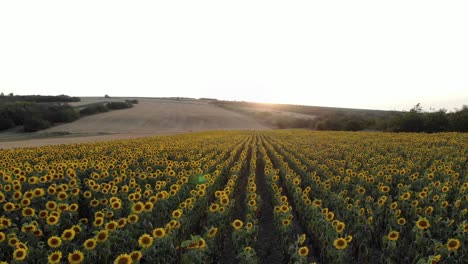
(459, 120)
(437, 121)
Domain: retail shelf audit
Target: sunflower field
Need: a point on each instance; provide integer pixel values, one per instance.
(289, 196)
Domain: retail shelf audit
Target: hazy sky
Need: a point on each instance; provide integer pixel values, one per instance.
(361, 54)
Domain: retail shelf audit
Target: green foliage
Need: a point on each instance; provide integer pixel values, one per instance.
(94, 109)
(35, 123)
(39, 98)
(35, 116)
(459, 120)
(118, 105)
(133, 101)
(6, 123)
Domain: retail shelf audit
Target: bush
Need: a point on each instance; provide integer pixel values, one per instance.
(6, 123)
(133, 101)
(34, 123)
(61, 114)
(118, 105)
(94, 109)
(459, 120)
(437, 122)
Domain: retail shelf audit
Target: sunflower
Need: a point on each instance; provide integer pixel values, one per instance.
(429, 210)
(112, 225)
(159, 233)
(54, 241)
(340, 227)
(122, 222)
(43, 214)
(28, 212)
(302, 239)
(20, 254)
(401, 221)
(68, 234)
(52, 220)
(123, 259)
(9, 206)
(213, 207)
(21, 245)
(174, 223)
(349, 238)
(102, 236)
(55, 257)
(90, 244)
(286, 222)
(340, 243)
(149, 206)
(393, 235)
(405, 196)
(453, 244)
(212, 232)
(330, 216)
(303, 251)
(2, 237)
(201, 243)
(423, 223)
(73, 207)
(133, 218)
(237, 224)
(136, 255)
(177, 213)
(145, 241)
(361, 190)
(224, 200)
(76, 228)
(76, 257)
(138, 207)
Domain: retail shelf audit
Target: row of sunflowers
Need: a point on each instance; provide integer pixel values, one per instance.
(238, 197)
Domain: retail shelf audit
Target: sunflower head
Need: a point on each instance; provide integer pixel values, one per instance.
(423, 224)
(90, 244)
(102, 236)
(159, 233)
(145, 241)
(212, 232)
(237, 224)
(54, 242)
(340, 243)
(55, 257)
(177, 213)
(123, 259)
(76, 257)
(453, 244)
(136, 255)
(303, 251)
(393, 235)
(68, 234)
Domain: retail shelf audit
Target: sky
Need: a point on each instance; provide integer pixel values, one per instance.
(386, 55)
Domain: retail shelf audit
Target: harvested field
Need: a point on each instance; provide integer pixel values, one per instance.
(148, 117)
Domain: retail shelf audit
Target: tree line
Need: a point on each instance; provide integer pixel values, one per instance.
(36, 113)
